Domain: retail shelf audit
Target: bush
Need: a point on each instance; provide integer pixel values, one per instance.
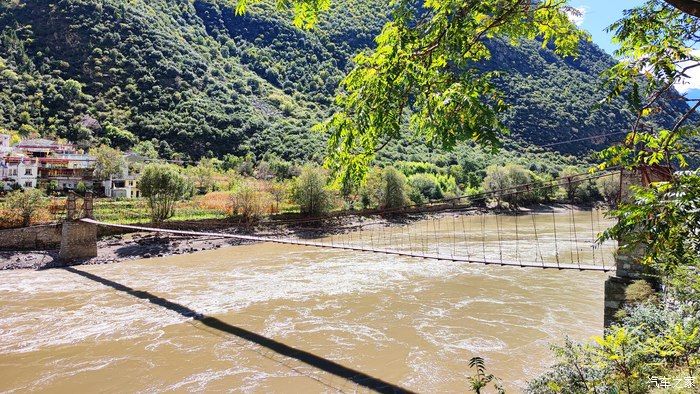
(385, 189)
(310, 192)
(502, 181)
(639, 291)
(250, 202)
(609, 188)
(24, 204)
(577, 190)
(163, 185)
(424, 187)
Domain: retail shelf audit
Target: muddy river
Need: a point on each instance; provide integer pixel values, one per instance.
(278, 318)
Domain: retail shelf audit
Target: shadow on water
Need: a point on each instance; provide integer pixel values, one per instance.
(321, 363)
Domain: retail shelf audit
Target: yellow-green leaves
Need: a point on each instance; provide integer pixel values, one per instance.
(306, 12)
(423, 75)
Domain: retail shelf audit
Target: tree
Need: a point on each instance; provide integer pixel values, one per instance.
(25, 203)
(146, 149)
(278, 190)
(393, 190)
(163, 185)
(203, 175)
(385, 188)
(426, 61)
(424, 187)
(109, 162)
(309, 190)
(509, 184)
(250, 202)
(609, 189)
(81, 188)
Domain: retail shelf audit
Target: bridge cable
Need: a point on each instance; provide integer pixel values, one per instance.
(602, 245)
(593, 245)
(556, 243)
(483, 235)
(537, 238)
(517, 232)
(500, 241)
(454, 235)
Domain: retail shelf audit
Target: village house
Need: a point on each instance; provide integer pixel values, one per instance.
(125, 186)
(19, 171)
(39, 162)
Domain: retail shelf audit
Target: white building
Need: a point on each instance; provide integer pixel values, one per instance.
(19, 170)
(5, 147)
(123, 187)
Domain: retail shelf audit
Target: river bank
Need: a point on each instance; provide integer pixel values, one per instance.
(143, 245)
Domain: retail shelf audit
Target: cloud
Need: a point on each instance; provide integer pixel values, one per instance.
(576, 14)
(692, 82)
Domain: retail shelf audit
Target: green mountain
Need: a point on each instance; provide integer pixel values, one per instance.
(198, 80)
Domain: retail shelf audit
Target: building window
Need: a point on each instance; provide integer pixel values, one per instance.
(13, 172)
(28, 171)
(28, 184)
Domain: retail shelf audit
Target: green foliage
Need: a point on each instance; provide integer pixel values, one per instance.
(425, 61)
(384, 189)
(203, 175)
(81, 188)
(663, 218)
(505, 184)
(309, 190)
(609, 189)
(481, 379)
(25, 203)
(652, 340)
(163, 185)
(424, 187)
(249, 202)
(193, 79)
(52, 187)
(576, 189)
(108, 162)
(639, 291)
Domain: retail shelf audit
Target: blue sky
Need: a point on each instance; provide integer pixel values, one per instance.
(599, 14)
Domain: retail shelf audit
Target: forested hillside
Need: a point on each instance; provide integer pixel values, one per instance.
(198, 80)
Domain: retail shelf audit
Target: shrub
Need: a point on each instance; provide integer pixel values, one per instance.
(250, 202)
(24, 204)
(639, 291)
(278, 191)
(505, 181)
(163, 185)
(385, 189)
(576, 189)
(609, 188)
(310, 192)
(219, 201)
(424, 187)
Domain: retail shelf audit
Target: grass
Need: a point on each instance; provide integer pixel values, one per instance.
(136, 211)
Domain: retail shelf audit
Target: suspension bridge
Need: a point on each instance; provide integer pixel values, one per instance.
(458, 231)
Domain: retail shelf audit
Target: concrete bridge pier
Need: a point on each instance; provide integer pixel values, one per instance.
(628, 265)
(629, 269)
(78, 239)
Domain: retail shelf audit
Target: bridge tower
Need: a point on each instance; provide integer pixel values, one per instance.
(628, 265)
(78, 238)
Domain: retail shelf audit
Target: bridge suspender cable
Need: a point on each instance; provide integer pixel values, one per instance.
(286, 241)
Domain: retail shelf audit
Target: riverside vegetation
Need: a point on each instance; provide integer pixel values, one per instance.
(427, 84)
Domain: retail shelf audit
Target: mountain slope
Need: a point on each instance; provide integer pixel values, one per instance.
(197, 80)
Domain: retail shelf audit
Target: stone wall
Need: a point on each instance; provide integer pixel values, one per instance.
(31, 238)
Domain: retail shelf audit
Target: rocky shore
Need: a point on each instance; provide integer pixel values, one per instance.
(143, 245)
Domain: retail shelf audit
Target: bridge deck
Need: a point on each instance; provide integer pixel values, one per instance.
(288, 241)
